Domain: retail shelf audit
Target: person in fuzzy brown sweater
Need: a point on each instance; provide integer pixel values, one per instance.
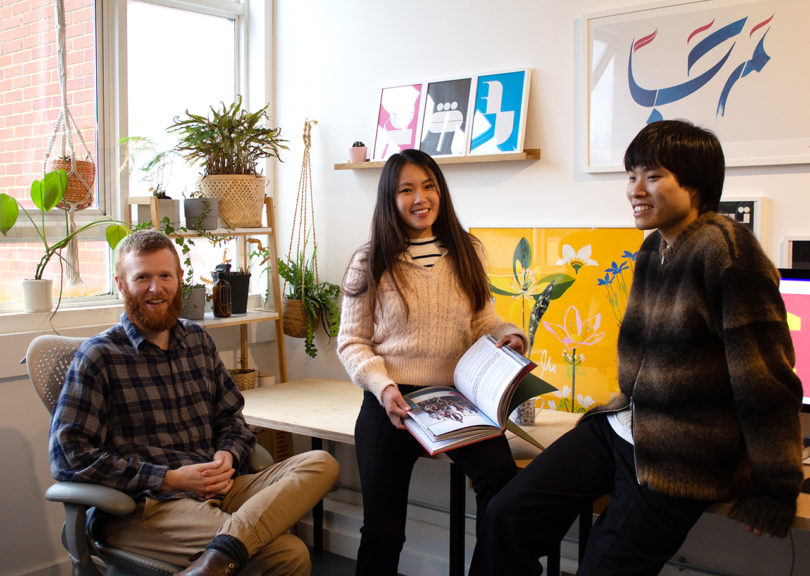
(709, 404)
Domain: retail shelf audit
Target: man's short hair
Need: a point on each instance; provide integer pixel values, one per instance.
(144, 242)
(693, 154)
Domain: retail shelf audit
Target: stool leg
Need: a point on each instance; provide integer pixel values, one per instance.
(317, 512)
(553, 561)
(456, 521)
(585, 525)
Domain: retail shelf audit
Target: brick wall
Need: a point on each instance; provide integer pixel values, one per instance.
(30, 102)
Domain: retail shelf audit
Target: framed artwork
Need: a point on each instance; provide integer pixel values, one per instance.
(567, 289)
(397, 120)
(446, 118)
(499, 112)
(747, 211)
(731, 66)
(796, 253)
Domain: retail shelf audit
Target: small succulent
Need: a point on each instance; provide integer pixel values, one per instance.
(358, 144)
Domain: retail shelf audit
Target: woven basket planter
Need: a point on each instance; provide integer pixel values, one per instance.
(85, 174)
(245, 378)
(294, 317)
(240, 198)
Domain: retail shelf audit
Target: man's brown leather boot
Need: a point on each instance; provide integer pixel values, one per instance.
(211, 563)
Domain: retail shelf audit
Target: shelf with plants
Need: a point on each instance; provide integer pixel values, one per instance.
(252, 315)
(528, 154)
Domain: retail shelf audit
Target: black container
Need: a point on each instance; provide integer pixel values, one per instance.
(240, 287)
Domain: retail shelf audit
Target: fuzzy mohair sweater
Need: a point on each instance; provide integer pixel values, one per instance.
(706, 355)
(422, 348)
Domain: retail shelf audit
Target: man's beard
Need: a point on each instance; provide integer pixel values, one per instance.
(139, 315)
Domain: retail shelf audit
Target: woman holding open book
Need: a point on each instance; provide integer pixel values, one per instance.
(415, 298)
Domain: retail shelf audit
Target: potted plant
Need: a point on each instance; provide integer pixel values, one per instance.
(357, 153)
(194, 293)
(306, 301)
(229, 143)
(200, 212)
(81, 179)
(157, 169)
(46, 194)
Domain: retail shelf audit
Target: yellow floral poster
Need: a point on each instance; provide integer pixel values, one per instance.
(567, 289)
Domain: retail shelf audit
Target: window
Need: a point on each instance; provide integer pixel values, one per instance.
(179, 54)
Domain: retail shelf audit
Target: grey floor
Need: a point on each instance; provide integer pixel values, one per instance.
(327, 564)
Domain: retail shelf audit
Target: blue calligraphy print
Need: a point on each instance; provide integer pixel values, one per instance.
(653, 98)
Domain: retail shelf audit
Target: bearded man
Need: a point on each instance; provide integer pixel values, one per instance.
(149, 408)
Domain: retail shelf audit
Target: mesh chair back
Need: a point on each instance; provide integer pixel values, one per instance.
(48, 359)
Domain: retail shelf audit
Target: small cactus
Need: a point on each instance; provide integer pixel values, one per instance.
(357, 144)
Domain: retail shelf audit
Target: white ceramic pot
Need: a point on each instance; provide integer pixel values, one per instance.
(37, 295)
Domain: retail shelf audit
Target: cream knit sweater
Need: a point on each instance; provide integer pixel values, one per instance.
(422, 349)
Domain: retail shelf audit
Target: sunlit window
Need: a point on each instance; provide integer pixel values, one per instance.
(177, 58)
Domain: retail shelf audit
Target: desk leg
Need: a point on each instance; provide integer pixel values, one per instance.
(457, 511)
(317, 512)
(585, 525)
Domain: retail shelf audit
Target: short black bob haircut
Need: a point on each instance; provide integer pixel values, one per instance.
(692, 154)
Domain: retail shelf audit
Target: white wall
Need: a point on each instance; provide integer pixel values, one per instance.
(332, 59)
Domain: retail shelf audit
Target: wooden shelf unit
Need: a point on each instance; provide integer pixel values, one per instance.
(530, 154)
(253, 315)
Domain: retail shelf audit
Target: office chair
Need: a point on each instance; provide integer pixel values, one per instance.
(48, 359)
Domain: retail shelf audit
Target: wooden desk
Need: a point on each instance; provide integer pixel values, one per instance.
(315, 407)
(327, 409)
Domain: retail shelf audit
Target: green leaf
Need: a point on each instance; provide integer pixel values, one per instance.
(496, 290)
(115, 234)
(49, 191)
(562, 282)
(8, 213)
(523, 254)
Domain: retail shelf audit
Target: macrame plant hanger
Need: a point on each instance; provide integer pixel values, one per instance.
(64, 122)
(303, 223)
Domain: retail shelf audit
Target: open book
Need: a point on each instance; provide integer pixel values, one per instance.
(489, 383)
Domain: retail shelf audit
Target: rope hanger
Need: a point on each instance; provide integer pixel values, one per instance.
(63, 125)
(304, 216)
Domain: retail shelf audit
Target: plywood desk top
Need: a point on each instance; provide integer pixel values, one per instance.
(315, 407)
(328, 409)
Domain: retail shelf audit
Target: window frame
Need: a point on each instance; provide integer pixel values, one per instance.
(111, 122)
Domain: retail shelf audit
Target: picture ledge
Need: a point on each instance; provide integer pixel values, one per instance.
(528, 154)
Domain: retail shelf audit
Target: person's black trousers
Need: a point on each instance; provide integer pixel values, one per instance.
(385, 458)
(637, 533)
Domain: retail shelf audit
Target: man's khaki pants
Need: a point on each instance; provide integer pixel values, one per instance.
(257, 510)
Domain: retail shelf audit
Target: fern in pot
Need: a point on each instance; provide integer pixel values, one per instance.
(307, 301)
(229, 142)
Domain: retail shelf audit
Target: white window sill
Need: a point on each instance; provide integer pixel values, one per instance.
(101, 315)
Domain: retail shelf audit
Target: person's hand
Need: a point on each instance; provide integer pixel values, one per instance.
(756, 531)
(514, 341)
(206, 480)
(395, 406)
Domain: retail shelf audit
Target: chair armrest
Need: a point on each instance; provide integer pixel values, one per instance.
(102, 497)
(260, 459)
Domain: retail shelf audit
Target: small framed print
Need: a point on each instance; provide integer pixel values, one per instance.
(446, 120)
(499, 112)
(397, 120)
(746, 211)
(795, 252)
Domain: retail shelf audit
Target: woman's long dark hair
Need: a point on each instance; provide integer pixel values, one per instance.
(389, 239)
